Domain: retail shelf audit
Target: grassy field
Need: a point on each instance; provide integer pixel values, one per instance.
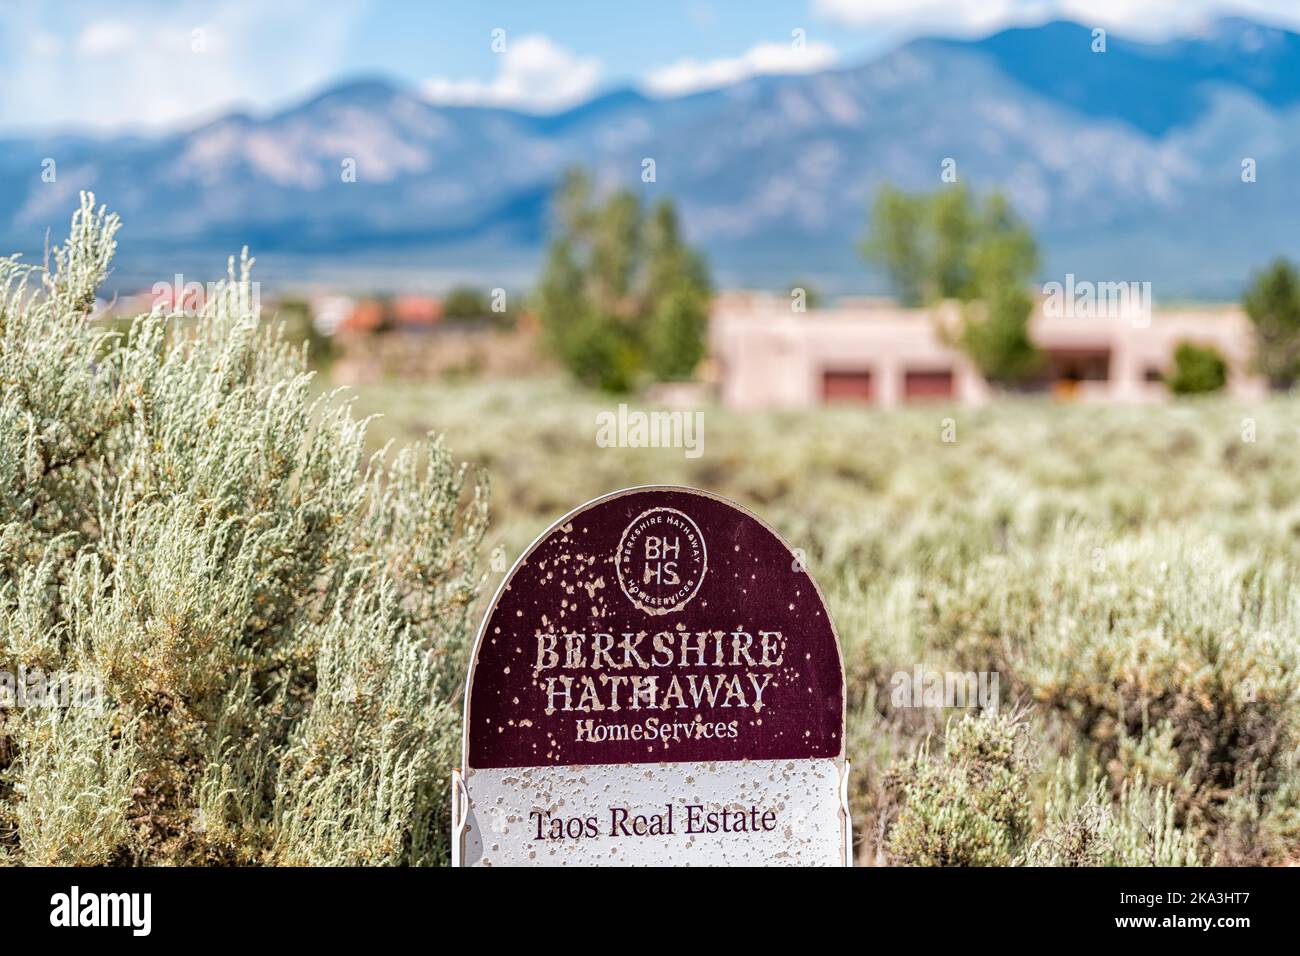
(1129, 574)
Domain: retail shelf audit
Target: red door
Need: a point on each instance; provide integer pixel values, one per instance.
(841, 386)
(927, 385)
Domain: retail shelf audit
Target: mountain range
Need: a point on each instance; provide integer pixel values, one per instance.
(1127, 162)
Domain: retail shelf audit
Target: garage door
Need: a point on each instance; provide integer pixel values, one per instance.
(846, 386)
(927, 384)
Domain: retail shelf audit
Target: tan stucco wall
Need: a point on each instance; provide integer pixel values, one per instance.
(771, 357)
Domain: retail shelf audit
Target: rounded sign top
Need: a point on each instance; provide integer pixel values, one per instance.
(655, 625)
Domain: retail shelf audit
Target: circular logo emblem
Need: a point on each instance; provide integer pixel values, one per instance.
(661, 560)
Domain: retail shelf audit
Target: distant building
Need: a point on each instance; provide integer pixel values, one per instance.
(768, 356)
(404, 312)
(416, 312)
(367, 316)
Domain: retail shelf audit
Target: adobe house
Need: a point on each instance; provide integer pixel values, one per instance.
(877, 353)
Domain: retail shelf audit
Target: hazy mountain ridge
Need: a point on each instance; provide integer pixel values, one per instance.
(1128, 162)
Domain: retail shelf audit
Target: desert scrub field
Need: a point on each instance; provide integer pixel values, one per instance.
(1130, 575)
(263, 607)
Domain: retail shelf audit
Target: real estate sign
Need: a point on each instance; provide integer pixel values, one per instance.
(657, 681)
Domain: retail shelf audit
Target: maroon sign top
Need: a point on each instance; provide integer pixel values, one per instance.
(655, 625)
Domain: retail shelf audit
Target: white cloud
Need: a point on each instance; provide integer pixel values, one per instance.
(534, 74)
(688, 76)
(142, 67)
(1158, 19)
(1152, 19)
(949, 16)
(106, 37)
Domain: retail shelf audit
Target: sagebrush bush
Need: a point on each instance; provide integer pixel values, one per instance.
(1083, 826)
(971, 807)
(1178, 666)
(276, 622)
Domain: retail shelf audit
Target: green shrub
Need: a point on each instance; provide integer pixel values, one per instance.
(1178, 665)
(278, 623)
(969, 808)
(972, 807)
(1272, 302)
(1084, 827)
(1197, 369)
(468, 304)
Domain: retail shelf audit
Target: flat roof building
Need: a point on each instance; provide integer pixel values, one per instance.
(769, 356)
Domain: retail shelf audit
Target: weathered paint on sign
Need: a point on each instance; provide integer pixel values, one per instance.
(656, 681)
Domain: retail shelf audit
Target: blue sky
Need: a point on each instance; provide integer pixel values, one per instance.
(151, 64)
